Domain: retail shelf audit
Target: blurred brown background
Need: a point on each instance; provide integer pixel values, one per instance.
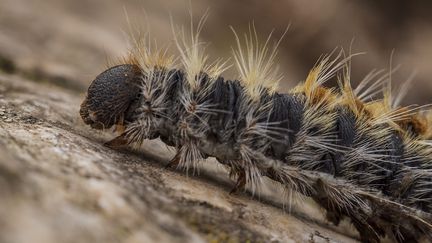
(68, 41)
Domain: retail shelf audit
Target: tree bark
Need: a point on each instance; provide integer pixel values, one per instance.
(59, 183)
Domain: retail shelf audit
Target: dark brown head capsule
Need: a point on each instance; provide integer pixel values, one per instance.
(110, 96)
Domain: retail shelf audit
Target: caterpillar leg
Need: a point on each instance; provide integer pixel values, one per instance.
(240, 183)
(237, 171)
(117, 142)
(120, 127)
(174, 162)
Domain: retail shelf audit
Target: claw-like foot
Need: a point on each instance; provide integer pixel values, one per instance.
(117, 142)
(241, 182)
(174, 162)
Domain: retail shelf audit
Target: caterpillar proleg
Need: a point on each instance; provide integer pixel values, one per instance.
(365, 159)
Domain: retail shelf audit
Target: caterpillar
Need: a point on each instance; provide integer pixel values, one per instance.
(358, 157)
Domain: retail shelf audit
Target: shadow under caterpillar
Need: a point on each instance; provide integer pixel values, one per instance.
(368, 160)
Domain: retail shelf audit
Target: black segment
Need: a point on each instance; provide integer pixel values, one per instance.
(287, 110)
(346, 133)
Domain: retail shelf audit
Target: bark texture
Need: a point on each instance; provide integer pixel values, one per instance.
(58, 183)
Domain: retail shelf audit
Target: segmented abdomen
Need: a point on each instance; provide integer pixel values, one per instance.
(340, 154)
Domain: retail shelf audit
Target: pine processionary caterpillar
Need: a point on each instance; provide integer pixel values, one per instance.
(368, 160)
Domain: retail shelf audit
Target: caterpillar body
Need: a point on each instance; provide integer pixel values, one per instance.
(368, 160)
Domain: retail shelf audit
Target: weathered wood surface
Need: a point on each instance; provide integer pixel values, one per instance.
(58, 183)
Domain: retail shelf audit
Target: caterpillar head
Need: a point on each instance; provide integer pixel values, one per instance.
(111, 97)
